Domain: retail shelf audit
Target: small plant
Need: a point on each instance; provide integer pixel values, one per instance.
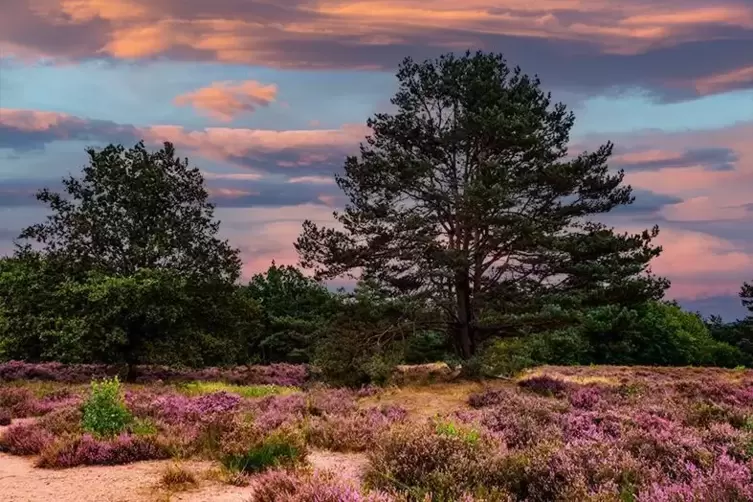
(104, 412)
(175, 477)
(142, 427)
(448, 428)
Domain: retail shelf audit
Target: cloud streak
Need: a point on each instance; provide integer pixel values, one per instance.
(594, 44)
(224, 101)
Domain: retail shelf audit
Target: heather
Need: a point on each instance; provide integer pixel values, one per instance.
(282, 374)
(601, 433)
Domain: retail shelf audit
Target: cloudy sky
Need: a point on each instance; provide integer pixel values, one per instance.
(268, 97)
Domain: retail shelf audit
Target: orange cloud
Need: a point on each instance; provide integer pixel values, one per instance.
(34, 120)
(329, 33)
(225, 100)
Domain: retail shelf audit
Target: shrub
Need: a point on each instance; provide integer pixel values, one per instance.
(142, 427)
(545, 386)
(419, 460)
(25, 439)
(104, 412)
(280, 449)
(72, 451)
(62, 421)
(291, 486)
(5, 416)
(358, 431)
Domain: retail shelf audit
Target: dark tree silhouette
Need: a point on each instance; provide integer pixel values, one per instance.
(466, 195)
(134, 210)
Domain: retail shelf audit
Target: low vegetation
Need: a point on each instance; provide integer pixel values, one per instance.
(600, 433)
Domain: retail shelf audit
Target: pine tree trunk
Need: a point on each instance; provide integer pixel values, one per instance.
(464, 333)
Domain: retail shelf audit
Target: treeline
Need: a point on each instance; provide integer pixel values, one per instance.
(160, 317)
(474, 238)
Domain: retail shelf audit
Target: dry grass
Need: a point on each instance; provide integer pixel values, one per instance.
(176, 477)
(422, 401)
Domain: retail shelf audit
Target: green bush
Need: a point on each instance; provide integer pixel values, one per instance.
(104, 413)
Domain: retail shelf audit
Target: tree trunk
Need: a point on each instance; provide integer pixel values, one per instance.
(464, 334)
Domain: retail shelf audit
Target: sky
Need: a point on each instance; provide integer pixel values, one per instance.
(267, 98)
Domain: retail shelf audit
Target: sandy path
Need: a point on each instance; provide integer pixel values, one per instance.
(20, 481)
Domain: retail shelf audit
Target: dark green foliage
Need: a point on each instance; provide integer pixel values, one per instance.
(465, 197)
(133, 210)
(151, 316)
(655, 333)
(295, 309)
(104, 413)
(738, 334)
(371, 333)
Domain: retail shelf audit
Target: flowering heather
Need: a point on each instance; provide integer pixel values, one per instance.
(56, 372)
(332, 401)
(592, 434)
(726, 481)
(275, 411)
(5, 416)
(25, 439)
(545, 386)
(357, 431)
(177, 408)
(586, 397)
(88, 450)
(292, 486)
(488, 397)
(295, 375)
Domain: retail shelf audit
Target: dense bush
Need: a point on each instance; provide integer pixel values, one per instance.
(656, 333)
(150, 317)
(295, 310)
(104, 413)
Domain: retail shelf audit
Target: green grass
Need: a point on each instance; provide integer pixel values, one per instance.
(273, 452)
(200, 388)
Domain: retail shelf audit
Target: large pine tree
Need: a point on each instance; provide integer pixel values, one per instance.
(466, 195)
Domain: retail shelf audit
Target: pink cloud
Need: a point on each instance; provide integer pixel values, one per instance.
(314, 180)
(232, 176)
(328, 34)
(739, 78)
(264, 234)
(226, 100)
(229, 143)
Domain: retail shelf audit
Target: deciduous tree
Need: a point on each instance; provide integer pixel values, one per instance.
(133, 210)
